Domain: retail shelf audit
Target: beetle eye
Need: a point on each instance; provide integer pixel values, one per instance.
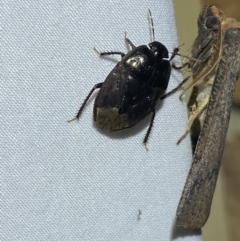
(159, 50)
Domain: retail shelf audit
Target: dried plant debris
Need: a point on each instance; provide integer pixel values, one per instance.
(215, 67)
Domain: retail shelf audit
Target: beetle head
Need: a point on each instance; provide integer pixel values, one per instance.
(159, 50)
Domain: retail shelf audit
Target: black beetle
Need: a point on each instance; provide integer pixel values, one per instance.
(132, 89)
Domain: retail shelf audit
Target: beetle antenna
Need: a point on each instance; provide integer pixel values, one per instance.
(152, 25)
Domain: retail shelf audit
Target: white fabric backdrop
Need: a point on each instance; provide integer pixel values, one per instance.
(65, 181)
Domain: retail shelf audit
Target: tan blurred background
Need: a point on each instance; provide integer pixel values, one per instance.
(224, 221)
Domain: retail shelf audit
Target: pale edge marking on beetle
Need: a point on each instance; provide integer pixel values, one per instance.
(194, 206)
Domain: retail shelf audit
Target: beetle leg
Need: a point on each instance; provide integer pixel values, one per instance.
(174, 53)
(97, 86)
(175, 89)
(149, 129)
(128, 41)
(108, 53)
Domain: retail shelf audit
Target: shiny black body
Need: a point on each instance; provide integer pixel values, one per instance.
(132, 89)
